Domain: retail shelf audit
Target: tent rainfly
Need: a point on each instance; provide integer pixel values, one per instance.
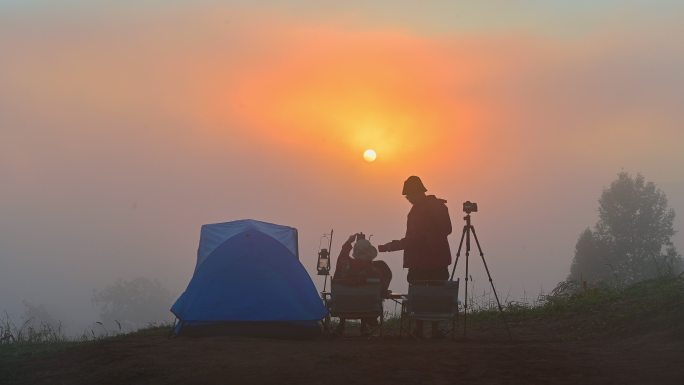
(248, 280)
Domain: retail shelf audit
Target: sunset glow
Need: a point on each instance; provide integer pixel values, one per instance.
(353, 89)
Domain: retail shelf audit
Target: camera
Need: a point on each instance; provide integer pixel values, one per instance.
(469, 207)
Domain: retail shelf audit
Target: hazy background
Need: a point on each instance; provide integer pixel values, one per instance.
(124, 128)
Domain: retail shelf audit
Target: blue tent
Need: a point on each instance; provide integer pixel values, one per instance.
(248, 280)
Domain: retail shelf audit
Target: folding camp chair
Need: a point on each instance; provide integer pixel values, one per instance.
(353, 300)
(432, 301)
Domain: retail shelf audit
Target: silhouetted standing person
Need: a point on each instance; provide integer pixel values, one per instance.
(426, 247)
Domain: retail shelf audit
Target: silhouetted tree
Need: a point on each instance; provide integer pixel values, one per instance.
(38, 314)
(133, 304)
(632, 239)
(592, 262)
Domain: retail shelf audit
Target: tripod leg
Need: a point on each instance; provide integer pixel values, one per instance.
(491, 282)
(465, 298)
(458, 253)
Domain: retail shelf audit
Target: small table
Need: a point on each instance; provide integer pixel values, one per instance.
(398, 298)
(395, 296)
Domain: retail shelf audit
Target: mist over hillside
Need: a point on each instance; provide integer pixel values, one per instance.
(124, 128)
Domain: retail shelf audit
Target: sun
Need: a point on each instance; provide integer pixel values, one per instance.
(369, 155)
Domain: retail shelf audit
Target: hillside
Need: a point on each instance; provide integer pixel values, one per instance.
(633, 336)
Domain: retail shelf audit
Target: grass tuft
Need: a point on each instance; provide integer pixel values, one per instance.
(645, 306)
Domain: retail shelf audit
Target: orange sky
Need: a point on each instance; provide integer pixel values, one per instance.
(125, 129)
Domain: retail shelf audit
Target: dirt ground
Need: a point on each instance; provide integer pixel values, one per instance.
(539, 354)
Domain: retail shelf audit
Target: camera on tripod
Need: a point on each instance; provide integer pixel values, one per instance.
(468, 230)
(469, 207)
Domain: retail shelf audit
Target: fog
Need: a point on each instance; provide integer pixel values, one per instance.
(121, 133)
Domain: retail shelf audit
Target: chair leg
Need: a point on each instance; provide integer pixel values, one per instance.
(401, 321)
(326, 324)
(341, 326)
(408, 327)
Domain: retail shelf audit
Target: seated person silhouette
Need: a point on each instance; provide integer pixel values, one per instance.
(359, 267)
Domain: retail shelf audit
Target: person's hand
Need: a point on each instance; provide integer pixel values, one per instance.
(351, 239)
(390, 246)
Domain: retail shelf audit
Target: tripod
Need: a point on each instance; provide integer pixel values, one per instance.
(467, 230)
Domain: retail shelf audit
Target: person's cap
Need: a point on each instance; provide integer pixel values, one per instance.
(412, 185)
(364, 251)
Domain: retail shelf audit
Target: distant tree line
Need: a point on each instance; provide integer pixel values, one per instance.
(130, 305)
(632, 240)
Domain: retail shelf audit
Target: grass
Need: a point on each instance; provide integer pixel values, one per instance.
(646, 307)
(35, 338)
(31, 340)
(29, 332)
(647, 297)
(649, 305)
(577, 313)
(652, 303)
(28, 341)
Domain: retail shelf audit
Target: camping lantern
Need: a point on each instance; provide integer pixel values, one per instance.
(323, 265)
(323, 262)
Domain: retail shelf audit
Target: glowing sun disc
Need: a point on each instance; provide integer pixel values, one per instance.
(369, 155)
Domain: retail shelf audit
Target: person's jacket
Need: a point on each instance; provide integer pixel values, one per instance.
(356, 271)
(427, 227)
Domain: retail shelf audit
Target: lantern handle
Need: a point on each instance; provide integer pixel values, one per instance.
(325, 280)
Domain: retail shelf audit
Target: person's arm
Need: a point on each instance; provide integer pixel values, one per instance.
(416, 229)
(344, 259)
(391, 246)
(347, 247)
